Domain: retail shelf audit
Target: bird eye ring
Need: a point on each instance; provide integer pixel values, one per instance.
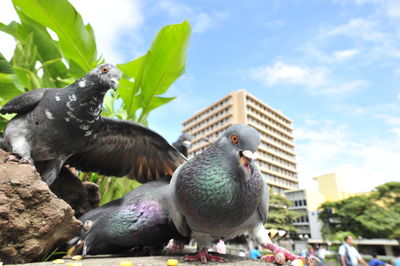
(234, 138)
(104, 69)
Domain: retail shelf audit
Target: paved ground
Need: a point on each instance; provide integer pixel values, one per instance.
(152, 261)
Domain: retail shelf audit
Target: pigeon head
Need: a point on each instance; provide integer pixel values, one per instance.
(240, 143)
(105, 76)
(186, 140)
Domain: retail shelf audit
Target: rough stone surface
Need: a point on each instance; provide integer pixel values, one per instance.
(33, 221)
(82, 197)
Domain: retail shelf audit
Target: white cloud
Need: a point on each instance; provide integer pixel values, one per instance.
(274, 23)
(110, 20)
(281, 72)
(200, 21)
(389, 119)
(174, 9)
(358, 28)
(363, 164)
(314, 80)
(343, 88)
(345, 54)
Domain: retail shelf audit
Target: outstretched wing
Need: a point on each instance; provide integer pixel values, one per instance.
(123, 148)
(24, 103)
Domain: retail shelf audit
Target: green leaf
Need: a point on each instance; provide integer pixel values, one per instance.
(157, 70)
(76, 41)
(158, 101)
(132, 68)
(127, 89)
(130, 97)
(49, 53)
(23, 63)
(15, 29)
(8, 87)
(5, 66)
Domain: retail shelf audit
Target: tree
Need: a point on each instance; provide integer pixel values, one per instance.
(41, 61)
(280, 217)
(365, 215)
(388, 195)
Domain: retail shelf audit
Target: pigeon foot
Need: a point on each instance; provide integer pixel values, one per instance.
(14, 157)
(203, 256)
(281, 255)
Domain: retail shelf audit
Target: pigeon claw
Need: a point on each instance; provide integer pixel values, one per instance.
(282, 255)
(203, 256)
(26, 160)
(15, 157)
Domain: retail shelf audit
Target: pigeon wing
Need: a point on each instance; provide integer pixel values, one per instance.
(124, 148)
(263, 207)
(23, 103)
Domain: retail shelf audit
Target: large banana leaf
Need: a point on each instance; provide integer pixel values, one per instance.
(76, 40)
(155, 72)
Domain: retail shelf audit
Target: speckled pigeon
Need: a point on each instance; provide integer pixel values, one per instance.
(221, 193)
(139, 219)
(61, 126)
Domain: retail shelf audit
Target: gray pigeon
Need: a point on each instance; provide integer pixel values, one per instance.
(139, 219)
(221, 193)
(183, 143)
(61, 126)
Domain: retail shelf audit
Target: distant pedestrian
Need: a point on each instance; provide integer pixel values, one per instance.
(396, 260)
(255, 253)
(221, 247)
(376, 262)
(348, 254)
(310, 251)
(321, 255)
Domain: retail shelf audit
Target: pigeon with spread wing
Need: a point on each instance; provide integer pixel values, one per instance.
(61, 126)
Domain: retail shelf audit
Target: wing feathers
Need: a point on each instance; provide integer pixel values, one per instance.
(124, 148)
(23, 103)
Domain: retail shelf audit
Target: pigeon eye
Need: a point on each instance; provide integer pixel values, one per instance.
(104, 69)
(234, 138)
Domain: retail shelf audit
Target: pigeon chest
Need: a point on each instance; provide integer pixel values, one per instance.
(218, 201)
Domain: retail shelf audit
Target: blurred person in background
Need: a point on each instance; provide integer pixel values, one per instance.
(321, 255)
(376, 262)
(348, 254)
(396, 260)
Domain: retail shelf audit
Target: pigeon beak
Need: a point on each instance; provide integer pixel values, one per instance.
(247, 159)
(187, 143)
(115, 83)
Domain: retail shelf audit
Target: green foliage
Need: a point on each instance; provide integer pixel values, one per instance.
(365, 216)
(110, 188)
(155, 72)
(388, 195)
(280, 217)
(76, 40)
(41, 61)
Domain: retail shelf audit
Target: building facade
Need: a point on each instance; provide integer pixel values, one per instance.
(276, 156)
(307, 202)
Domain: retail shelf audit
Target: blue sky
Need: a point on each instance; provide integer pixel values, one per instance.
(331, 66)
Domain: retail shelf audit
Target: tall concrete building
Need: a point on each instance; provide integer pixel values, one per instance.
(276, 155)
